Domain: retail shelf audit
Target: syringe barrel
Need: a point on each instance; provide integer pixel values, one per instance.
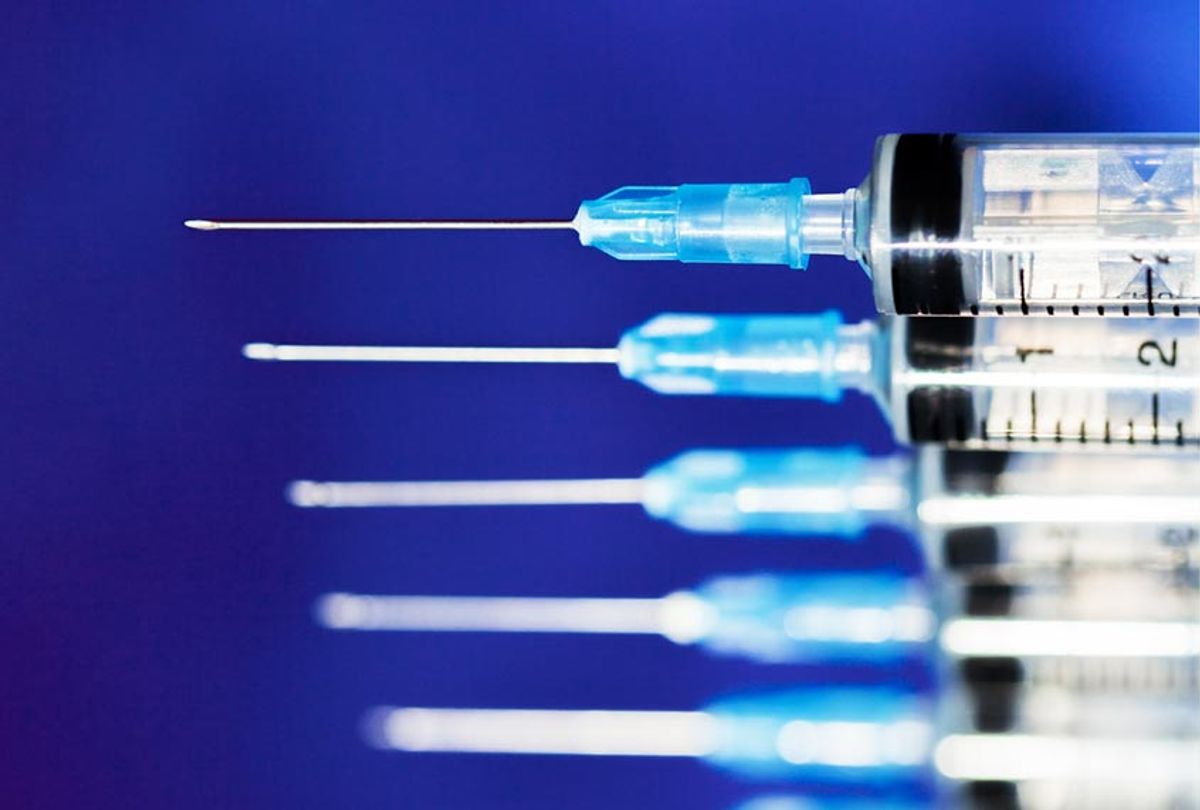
(1046, 383)
(1033, 224)
(1050, 522)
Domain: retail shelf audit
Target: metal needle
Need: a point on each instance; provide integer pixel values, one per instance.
(426, 354)
(381, 225)
(359, 494)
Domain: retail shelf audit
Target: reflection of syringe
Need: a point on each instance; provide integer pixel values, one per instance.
(841, 492)
(981, 384)
(945, 224)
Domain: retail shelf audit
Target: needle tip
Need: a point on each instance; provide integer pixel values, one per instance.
(259, 351)
(375, 728)
(338, 611)
(201, 224)
(307, 494)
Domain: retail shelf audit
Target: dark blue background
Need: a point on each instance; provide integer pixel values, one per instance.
(156, 643)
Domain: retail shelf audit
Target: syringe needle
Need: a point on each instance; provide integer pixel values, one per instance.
(344, 494)
(382, 225)
(765, 617)
(807, 735)
(537, 731)
(799, 492)
(350, 611)
(427, 354)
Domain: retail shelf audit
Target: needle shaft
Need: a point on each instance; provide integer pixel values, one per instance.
(348, 611)
(381, 225)
(534, 731)
(349, 494)
(426, 354)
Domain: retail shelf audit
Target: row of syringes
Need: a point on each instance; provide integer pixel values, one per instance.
(1070, 643)
(1120, 730)
(1052, 575)
(1056, 226)
(1049, 225)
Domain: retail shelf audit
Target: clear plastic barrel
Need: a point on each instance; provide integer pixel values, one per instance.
(1049, 521)
(1035, 225)
(1046, 383)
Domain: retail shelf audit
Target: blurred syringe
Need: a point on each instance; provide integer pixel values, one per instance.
(838, 492)
(944, 224)
(766, 617)
(1027, 383)
(822, 617)
(878, 739)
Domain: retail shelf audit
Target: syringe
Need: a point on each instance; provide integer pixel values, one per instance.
(793, 618)
(1028, 383)
(944, 224)
(837, 492)
(806, 618)
(876, 738)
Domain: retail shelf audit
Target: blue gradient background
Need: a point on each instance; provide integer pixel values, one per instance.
(156, 643)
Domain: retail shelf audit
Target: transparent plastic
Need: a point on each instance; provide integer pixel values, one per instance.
(1041, 383)
(869, 737)
(1052, 224)
(879, 737)
(1052, 521)
(742, 223)
(837, 492)
(737, 355)
(864, 617)
(974, 512)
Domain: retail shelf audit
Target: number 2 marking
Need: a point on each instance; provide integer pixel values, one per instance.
(1152, 346)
